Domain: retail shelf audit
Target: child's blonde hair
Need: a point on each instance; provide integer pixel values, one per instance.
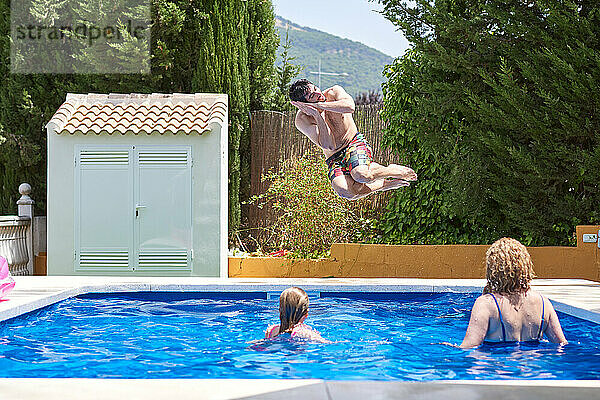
(293, 305)
(509, 267)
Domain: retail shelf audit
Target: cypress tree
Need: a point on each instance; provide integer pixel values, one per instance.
(262, 46)
(286, 71)
(262, 42)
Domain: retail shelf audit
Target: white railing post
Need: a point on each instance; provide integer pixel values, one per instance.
(25, 209)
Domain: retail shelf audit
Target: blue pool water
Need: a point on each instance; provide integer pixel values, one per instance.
(194, 335)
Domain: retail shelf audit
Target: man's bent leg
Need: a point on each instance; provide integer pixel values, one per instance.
(342, 185)
(373, 172)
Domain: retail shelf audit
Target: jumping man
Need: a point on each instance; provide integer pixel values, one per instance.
(326, 119)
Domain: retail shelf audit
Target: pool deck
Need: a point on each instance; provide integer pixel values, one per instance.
(577, 297)
(287, 389)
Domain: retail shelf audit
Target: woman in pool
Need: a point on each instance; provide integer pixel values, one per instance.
(509, 310)
(293, 310)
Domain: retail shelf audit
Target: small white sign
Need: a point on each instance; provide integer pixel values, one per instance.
(590, 238)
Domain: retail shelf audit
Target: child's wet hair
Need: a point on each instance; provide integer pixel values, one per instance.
(293, 305)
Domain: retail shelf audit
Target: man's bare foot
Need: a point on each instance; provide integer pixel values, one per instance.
(393, 183)
(402, 172)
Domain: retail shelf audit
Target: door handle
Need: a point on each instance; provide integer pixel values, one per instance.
(137, 209)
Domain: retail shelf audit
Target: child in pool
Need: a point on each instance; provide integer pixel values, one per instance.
(509, 310)
(293, 310)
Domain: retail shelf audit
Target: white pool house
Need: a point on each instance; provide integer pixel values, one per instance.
(137, 185)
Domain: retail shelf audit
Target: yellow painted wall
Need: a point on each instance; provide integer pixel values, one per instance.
(421, 261)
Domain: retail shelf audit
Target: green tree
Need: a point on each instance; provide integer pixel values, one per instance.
(223, 67)
(506, 96)
(222, 46)
(286, 71)
(262, 45)
(419, 214)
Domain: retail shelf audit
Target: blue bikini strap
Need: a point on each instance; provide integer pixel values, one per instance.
(541, 332)
(500, 314)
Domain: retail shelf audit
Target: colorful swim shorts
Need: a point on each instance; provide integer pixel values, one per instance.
(358, 152)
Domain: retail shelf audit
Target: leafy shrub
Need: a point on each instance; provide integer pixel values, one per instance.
(420, 214)
(308, 214)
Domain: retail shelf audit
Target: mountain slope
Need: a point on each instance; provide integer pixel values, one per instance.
(363, 64)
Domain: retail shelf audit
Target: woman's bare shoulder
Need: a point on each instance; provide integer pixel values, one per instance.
(484, 300)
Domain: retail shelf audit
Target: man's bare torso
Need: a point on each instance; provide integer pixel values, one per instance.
(342, 126)
(326, 119)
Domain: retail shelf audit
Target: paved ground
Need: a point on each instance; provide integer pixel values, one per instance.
(306, 389)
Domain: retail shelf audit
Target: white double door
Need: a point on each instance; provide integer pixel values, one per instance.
(133, 208)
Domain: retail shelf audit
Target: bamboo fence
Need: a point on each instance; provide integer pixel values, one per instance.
(274, 138)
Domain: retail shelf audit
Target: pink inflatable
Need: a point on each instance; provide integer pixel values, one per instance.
(7, 283)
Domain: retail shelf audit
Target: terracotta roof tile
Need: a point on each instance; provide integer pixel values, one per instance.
(139, 113)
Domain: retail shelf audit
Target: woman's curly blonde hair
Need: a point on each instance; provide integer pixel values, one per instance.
(509, 267)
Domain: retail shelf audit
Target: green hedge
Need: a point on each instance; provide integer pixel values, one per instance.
(497, 107)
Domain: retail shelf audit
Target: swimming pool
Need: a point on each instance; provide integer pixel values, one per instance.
(386, 336)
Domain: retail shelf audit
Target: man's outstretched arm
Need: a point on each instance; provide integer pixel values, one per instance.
(343, 103)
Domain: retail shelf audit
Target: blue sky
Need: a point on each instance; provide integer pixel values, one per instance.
(350, 19)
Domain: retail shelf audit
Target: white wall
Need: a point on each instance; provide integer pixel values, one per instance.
(209, 188)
